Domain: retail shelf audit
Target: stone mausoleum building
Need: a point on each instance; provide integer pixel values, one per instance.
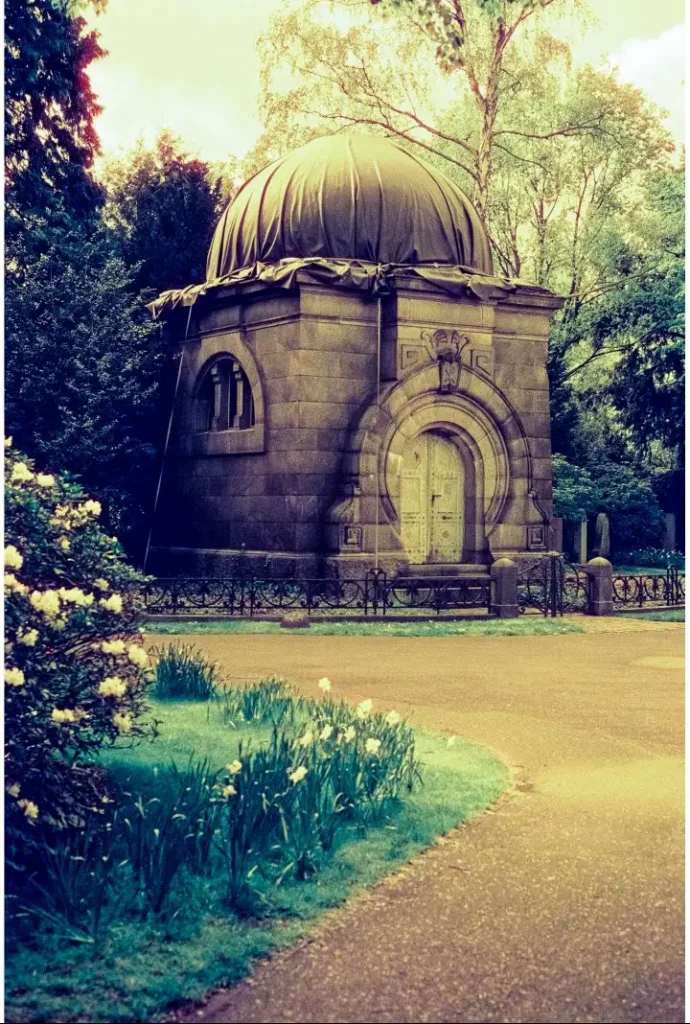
(355, 385)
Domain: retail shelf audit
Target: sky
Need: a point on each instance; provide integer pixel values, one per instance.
(197, 71)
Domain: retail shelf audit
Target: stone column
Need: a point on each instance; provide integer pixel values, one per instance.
(504, 589)
(599, 586)
(581, 542)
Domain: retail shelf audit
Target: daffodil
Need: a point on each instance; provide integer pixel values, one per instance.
(296, 775)
(47, 602)
(325, 685)
(372, 746)
(45, 480)
(112, 603)
(326, 733)
(20, 473)
(392, 718)
(307, 739)
(234, 768)
(92, 507)
(364, 709)
(228, 791)
(63, 715)
(137, 655)
(101, 584)
(27, 637)
(122, 721)
(113, 686)
(113, 647)
(13, 585)
(29, 807)
(14, 677)
(349, 734)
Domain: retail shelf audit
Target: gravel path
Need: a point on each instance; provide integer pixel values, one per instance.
(563, 904)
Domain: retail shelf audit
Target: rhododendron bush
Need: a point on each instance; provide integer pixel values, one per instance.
(75, 671)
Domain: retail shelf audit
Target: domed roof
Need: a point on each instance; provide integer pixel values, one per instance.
(358, 197)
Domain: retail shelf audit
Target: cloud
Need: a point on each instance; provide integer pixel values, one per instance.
(657, 66)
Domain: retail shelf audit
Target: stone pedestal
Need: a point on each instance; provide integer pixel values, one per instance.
(504, 589)
(599, 586)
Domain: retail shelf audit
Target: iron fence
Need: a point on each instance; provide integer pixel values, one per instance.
(641, 589)
(552, 586)
(373, 594)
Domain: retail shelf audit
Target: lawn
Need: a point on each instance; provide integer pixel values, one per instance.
(532, 625)
(140, 968)
(665, 615)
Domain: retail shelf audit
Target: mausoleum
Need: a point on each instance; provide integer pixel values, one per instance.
(353, 384)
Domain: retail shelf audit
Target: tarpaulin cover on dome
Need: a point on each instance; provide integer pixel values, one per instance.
(353, 209)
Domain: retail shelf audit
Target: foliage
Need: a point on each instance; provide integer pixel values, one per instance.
(182, 673)
(163, 206)
(83, 362)
(630, 502)
(651, 558)
(50, 138)
(144, 963)
(74, 677)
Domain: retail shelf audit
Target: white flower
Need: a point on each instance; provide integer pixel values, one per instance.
(392, 718)
(92, 507)
(62, 715)
(296, 775)
(14, 677)
(45, 480)
(13, 559)
(14, 586)
(307, 739)
(27, 637)
(137, 655)
(113, 686)
(112, 603)
(349, 734)
(228, 791)
(451, 741)
(122, 721)
(21, 473)
(76, 596)
(364, 709)
(234, 768)
(372, 746)
(325, 685)
(112, 646)
(326, 733)
(47, 602)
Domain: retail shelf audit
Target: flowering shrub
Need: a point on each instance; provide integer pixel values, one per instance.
(75, 675)
(652, 558)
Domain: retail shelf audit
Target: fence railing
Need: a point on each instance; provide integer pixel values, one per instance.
(641, 589)
(373, 594)
(553, 586)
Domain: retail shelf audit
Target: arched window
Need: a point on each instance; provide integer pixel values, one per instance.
(224, 399)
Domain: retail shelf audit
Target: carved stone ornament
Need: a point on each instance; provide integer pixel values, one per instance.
(447, 347)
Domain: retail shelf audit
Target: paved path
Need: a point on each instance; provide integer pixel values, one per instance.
(565, 903)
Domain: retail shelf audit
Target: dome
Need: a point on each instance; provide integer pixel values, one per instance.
(356, 197)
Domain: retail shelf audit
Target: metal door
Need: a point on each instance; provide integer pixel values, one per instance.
(431, 506)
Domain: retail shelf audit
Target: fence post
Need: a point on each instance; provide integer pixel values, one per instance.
(599, 586)
(504, 589)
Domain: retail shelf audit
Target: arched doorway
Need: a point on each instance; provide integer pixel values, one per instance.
(432, 500)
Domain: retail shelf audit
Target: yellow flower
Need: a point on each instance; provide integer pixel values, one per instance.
(122, 721)
(325, 685)
(21, 473)
(46, 602)
(14, 586)
(296, 775)
(326, 733)
(14, 790)
(364, 709)
(349, 734)
(13, 559)
(372, 746)
(112, 603)
(62, 715)
(113, 686)
(234, 768)
(8, 442)
(307, 739)
(29, 807)
(138, 656)
(92, 507)
(45, 480)
(392, 718)
(28, 637)
(14, 677)
(101, 584)
(229, 791)
(65, 543)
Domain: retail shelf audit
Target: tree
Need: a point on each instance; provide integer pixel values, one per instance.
(82, 373)
(163, 207)
(50, 138)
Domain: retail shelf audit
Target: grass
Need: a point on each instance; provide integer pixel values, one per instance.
(665, 615)
(523, 626)
(140, 970)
